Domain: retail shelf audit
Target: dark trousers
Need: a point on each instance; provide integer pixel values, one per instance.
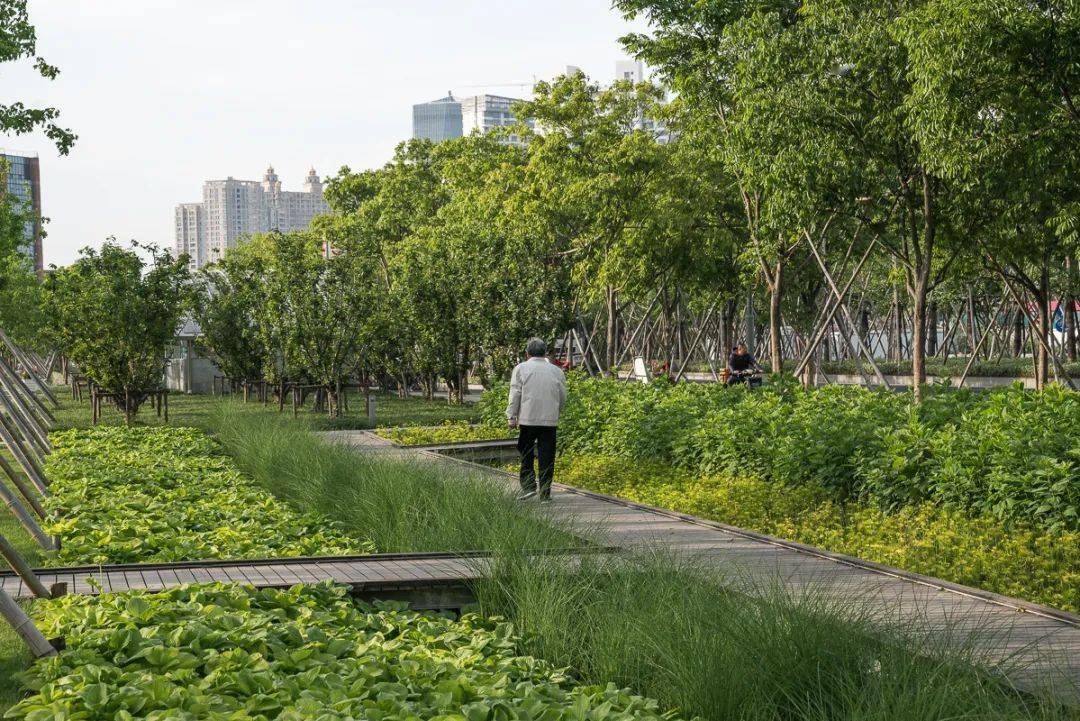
(536, 441)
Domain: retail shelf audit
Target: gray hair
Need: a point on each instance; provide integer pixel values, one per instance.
(536, 348)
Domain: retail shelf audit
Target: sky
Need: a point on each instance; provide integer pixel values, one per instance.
(166, 94)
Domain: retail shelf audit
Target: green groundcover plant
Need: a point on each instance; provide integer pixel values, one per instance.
(1009, 454)
(229, 652)
(163, 494)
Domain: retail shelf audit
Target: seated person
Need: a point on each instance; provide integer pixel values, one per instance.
(740, 364)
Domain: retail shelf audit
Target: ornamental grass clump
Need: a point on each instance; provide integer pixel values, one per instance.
(228, 652)
(124, 495)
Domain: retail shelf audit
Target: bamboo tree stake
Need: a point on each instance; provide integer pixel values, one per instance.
(25, 519)
(22, 568)
(26, 411)
(844, 311)
(26, 441)
(1032, 320)
(815, 340)
(975, 350)
(14, 377)
(27, 493)
(30, 403)
(25, 628)
(17, 352)
(13, 445)
(29, 431)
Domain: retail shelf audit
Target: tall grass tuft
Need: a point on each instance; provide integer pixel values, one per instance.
(671, 630)
(400, 505)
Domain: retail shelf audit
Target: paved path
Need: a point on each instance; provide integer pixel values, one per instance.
(1041, 644)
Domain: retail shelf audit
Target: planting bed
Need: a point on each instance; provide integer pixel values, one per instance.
(163, 494)
(229, 652)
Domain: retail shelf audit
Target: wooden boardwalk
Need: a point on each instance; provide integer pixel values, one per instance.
(428, 580)
(1041, 645)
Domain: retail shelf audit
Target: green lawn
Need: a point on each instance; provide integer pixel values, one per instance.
(198, 410)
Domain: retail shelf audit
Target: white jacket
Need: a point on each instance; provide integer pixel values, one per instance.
(537, 393)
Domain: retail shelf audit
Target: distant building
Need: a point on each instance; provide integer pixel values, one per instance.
(488, 112)
(21, 175)
(233, 210)
(191, 232)
(438, 120)
(452, 117)
(634, 72)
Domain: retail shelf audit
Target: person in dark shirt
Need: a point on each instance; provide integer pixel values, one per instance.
(740, 364)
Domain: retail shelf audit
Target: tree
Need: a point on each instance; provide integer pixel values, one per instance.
(20, 302)
(476, 280)
(996, 108)
(18, 40)
(594, 172)
(227, 309)
(320, 305)
(692, 46)
(115, 314)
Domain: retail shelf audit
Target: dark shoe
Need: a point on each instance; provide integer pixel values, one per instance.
(527, 495)
(545, 500)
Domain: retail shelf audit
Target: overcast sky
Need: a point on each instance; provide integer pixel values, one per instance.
(166, 94)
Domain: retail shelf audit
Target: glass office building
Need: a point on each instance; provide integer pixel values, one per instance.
(22, 180)
(438, 120)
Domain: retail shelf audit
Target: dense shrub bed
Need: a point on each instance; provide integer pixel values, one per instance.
(164, 494)
(1040, 566)
(1009, 454)
(229, 652)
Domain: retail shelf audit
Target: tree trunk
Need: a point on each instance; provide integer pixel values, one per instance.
(1042, 369)
(896, 330)
(1070, 309)
(776, 296)
(1018, 332)
(611, 308)
(931, 329)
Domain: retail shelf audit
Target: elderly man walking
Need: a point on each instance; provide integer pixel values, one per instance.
(537, 395)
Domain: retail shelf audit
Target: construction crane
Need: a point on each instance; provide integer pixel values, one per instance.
(520, 86)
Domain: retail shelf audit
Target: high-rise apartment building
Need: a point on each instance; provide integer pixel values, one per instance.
(488, 112)
(191, 232)
(452, 117)
(233, 210)
(21, 176)
(438, 120)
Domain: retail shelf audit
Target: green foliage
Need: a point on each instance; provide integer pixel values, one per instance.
(448, 432)
(227, 308)
(227, 652)
(114, 315)
(18, 40)
(979, 551)
(1000, 453)
(124, 495)
(21, 300)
